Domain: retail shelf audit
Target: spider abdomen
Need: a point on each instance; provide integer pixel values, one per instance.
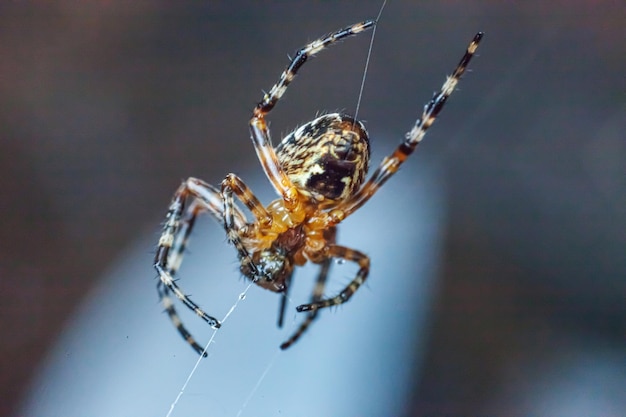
(327, 158)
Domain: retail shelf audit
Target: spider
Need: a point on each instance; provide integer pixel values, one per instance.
(319, 171)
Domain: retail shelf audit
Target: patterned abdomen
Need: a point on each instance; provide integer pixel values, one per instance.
(327, 158)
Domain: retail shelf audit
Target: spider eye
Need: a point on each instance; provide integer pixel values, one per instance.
(272, 268)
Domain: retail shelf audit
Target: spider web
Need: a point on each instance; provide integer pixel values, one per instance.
(241, 297)
(301, 288)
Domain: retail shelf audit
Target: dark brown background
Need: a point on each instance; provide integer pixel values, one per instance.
(105, 106)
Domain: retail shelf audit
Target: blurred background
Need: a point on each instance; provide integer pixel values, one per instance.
(106, 106)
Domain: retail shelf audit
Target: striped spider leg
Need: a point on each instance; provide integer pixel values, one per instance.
(180, 220)
(318, 293)
(390, 164)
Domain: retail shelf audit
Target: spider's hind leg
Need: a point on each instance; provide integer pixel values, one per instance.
(318, 292)
(341, 252)
(283, 301)
(233, 185)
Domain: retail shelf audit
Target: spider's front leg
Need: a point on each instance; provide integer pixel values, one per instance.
(174, 260)
(173, 241)
(258, 127)
(233, 185)
(341, 252)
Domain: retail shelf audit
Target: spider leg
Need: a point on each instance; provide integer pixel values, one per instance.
(318, 292)
(167, 302)
(259, 131)
(173, 263)
(181, 240)
(173, 241)
(283, 301)
(232, 184)
(341, 252)
(390, 164)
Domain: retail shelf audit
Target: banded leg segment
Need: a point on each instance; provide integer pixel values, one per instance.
(390, 164)
(181, 240)
(318, 293)
(258, 127)
(270, 99)
(246, 196)
(232, 184)
(168, 304)
(174, 261)
(283, 301)
(341, 252)
(173, 241)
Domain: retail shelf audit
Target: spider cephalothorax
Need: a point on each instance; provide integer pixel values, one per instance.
(319, 172)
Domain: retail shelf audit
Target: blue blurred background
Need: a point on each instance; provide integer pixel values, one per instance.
(499, 249)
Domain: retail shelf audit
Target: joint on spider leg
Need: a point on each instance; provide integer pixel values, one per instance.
(337, 216)
(307, 307)
(166, 240)
(199, 349)
(214, 323)
(169, 283)
(211, 321)
(291, 198)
